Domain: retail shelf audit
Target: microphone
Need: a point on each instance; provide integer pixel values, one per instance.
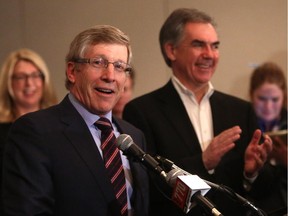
(176, 171)
(185, 187)
(129, 148)
(189, 188)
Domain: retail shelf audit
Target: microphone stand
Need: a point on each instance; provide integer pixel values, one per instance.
(202, 201)
(244, 202)
(205, 203)
(168, 165)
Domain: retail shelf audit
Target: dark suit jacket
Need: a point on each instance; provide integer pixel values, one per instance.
(162, 117)
(53, 167)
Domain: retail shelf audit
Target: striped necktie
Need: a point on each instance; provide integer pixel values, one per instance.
(113, 162)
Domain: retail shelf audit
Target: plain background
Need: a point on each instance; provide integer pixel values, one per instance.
(250, 32)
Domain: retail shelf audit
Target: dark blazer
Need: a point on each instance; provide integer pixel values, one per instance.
(162, 117)
(53, 167)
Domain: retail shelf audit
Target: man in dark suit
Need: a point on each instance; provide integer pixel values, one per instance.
(202, 130)
(53, 162)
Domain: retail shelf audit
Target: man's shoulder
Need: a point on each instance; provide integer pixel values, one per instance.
(47, 115)
(147, 96)
(64, 106)
(126, 127)
(228, 98)
(42, 113)
(163, 93)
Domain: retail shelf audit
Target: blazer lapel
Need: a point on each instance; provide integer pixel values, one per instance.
(79, 136)
(218, 113)
(175, 111)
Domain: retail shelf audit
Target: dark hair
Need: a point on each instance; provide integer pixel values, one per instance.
(172, 30)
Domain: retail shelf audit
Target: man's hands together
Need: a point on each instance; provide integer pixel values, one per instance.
(255, 155)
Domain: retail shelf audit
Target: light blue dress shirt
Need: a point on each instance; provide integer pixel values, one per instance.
(90, 119)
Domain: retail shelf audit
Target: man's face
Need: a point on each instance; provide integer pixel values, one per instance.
(195, 58)
(98, 89)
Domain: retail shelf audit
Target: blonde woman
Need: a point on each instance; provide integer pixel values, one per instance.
(25, 86)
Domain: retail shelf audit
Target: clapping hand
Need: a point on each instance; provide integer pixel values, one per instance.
(256, 154)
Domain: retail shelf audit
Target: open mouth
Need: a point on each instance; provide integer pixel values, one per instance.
(105, 91)
(204, 65)
(28, 92)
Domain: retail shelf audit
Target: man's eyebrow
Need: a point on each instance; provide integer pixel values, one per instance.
(204, 42)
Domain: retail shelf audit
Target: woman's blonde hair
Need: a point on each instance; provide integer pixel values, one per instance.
(6, 92)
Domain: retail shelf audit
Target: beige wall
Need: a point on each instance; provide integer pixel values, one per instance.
(251, 32)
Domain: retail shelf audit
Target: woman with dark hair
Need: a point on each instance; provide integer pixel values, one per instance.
(268, 93)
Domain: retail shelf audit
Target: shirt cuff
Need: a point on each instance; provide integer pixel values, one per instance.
(247, 182)
(250, 180)
(211, 172)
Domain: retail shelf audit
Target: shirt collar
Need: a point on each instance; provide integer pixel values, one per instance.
(88, 117)
(182, 89)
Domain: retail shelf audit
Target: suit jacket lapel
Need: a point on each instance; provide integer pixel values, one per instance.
(217, 109)
(175, 111)
(79, 136)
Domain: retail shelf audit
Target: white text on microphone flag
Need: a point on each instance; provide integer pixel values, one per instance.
(185, 187)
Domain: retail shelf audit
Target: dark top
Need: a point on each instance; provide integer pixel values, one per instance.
(162, 117)
(4, 130)
(275, 204)
(52, 166)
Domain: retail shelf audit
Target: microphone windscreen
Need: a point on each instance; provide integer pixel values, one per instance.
(124, 141)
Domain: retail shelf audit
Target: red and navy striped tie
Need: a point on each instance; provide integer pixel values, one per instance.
(113, 162)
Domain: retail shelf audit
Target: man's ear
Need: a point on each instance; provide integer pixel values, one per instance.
(70, 71)
(170, 51)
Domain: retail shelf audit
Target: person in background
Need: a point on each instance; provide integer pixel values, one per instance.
(126, 95)
(56, 161)
(268, 94)
(25, 86)
(204, 131)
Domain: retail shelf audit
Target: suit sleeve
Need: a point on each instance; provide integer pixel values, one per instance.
(27, 181)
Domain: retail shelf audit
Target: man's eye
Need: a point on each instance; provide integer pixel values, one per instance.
(119, 65)
(197, 44)
(98, 62)
(215, 46)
